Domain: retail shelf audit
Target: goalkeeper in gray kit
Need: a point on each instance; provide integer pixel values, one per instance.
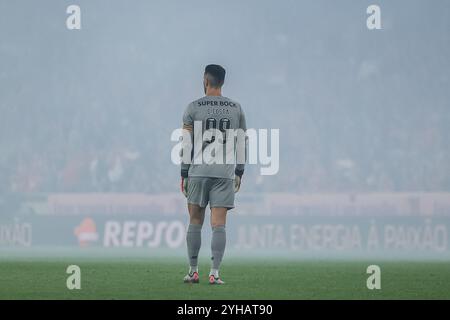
(213, 159)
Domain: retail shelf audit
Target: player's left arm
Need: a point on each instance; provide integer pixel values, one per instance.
(188, 131)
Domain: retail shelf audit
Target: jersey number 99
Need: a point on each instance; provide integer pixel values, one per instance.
(224, 124)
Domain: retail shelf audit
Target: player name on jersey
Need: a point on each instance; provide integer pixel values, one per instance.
(218, 111)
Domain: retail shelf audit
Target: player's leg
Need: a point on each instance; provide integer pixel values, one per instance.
(196, 206)
(221, 200)
(218, 241)
(194, 235)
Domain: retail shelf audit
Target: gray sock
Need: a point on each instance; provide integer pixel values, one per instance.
(194, 241)
(218, 242)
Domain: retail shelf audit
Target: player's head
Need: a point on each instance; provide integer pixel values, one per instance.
(214, 77)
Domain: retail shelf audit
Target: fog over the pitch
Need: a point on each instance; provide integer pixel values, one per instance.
(358, 111)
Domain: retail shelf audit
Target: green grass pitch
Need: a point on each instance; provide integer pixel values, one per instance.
(161, 278)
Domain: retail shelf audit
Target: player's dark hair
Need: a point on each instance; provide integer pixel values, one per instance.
(216, 75)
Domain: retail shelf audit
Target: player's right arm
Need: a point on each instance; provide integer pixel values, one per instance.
(239, 170)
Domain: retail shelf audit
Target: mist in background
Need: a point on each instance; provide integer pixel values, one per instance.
(92, 110)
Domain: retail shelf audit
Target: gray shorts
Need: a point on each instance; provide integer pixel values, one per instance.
(219, 192)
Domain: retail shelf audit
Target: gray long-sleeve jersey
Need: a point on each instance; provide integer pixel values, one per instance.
(209, 113)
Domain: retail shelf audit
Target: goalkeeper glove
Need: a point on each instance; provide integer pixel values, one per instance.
(237, 179)
(184, 185)
(237, 183)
